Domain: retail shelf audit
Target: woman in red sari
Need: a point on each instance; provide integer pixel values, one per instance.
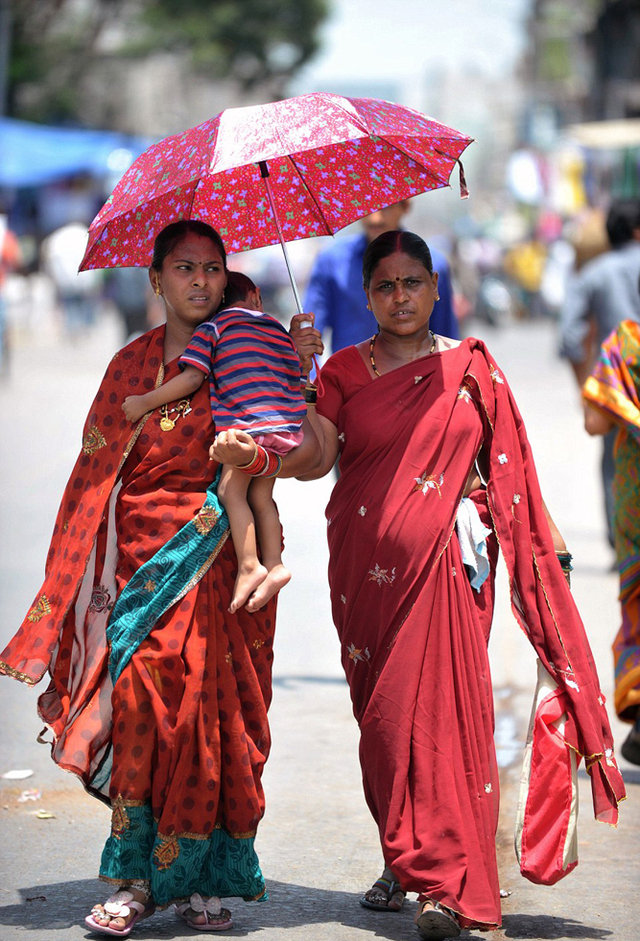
(158, 696)
(411, 415)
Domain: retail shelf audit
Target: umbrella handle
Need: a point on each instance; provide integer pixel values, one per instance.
(264, 173)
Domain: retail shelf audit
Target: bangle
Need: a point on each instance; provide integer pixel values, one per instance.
(248, 467)
(274, 464)
(565, 558)
(258, 463)
(310, 395)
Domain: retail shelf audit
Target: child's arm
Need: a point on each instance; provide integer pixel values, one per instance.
(180, 387)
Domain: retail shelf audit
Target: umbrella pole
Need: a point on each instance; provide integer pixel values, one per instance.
(264, 173)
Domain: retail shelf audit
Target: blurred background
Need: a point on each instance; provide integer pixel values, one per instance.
(550, 91)
(86, 85)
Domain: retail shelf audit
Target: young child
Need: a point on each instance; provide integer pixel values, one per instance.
(254, 378)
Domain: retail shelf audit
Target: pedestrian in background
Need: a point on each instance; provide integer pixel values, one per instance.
(10, 261)
(599, 296)
(612, 407)
(77, 293)
(335, 294)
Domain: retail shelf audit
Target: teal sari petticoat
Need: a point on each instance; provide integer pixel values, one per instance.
(177, 866)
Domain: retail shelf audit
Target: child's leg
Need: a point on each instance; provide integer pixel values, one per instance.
(232, 493)
(269, 531)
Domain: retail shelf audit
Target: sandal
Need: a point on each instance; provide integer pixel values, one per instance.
(211, 908)
(119, 905)
(437, 922)
(381, 894)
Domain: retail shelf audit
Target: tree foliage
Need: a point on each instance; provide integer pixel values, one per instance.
(55, 43)
(251, 41)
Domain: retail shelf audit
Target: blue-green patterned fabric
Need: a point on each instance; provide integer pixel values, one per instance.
(179, 866)
(164, 579)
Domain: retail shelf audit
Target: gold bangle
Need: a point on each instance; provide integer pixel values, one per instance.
(253, 460)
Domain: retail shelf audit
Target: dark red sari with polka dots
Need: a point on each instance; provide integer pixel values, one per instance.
(184, 732)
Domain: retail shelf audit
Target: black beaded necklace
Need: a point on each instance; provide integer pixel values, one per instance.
(372, 343)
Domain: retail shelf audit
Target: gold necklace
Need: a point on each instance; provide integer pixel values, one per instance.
(182, 408)
(373, 340)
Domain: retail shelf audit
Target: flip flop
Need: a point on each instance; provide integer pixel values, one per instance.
(119, 906)
(437, 923)
(380, 900)
(210, 908)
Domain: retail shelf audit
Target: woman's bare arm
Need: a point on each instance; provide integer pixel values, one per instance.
(595, 421)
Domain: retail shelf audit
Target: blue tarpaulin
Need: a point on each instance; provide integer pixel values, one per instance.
(33, 154)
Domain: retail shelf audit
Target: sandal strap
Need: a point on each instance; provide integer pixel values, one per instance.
(439, 907)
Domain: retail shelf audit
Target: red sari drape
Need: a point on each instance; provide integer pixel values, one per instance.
(414, 635)
(185, 728)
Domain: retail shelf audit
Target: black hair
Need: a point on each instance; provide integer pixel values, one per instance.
(238, 288)
(174, 233)
(623, 217)
(389, 243)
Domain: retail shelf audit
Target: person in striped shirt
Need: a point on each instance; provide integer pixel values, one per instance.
(255, 393)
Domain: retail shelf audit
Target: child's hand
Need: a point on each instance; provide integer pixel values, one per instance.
(307, 340)
(134, 407)
(232, 447)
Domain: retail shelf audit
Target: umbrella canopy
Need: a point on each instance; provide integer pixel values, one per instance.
(327, 160)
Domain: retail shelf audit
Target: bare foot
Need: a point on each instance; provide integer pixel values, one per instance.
(276, 579)
(246, 583)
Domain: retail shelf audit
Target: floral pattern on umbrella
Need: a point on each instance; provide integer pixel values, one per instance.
(331, 160)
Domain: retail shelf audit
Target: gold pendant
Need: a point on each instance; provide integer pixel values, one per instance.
(167, 424)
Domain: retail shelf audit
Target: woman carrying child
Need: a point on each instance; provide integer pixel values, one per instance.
(254, 384)
(158, 694)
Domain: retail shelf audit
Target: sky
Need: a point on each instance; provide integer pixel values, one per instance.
(401, 43)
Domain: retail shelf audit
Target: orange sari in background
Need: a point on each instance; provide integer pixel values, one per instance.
(178, 743)
(413, 632)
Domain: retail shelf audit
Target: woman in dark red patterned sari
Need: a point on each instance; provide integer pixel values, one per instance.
(410, 415)
(158, 695)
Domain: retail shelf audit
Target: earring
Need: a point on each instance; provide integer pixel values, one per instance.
(437, 297)
(368, 306)
(157, 289)
(223, 293)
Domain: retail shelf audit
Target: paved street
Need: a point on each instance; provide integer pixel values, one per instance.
(317, 844)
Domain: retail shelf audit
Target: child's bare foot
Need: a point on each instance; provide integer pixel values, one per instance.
(276, 579)
(246, 583)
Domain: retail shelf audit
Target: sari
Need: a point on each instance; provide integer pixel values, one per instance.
(614, 388)
(414, 633)
(158, 696)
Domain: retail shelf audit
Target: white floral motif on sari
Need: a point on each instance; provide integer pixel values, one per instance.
(496, 378)
(464, 392)
(428, 482)
(382, 576)
(357, 654)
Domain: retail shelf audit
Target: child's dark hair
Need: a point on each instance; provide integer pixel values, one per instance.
(388, 244)
(238, 288)
(173, 234)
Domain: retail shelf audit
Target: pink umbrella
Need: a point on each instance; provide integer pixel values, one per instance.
(273, 173)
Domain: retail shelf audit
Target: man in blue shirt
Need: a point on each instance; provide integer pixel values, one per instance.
(335, 294)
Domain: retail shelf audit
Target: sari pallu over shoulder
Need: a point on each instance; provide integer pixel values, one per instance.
(106, 443)
(373, 505)
(541, 599)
